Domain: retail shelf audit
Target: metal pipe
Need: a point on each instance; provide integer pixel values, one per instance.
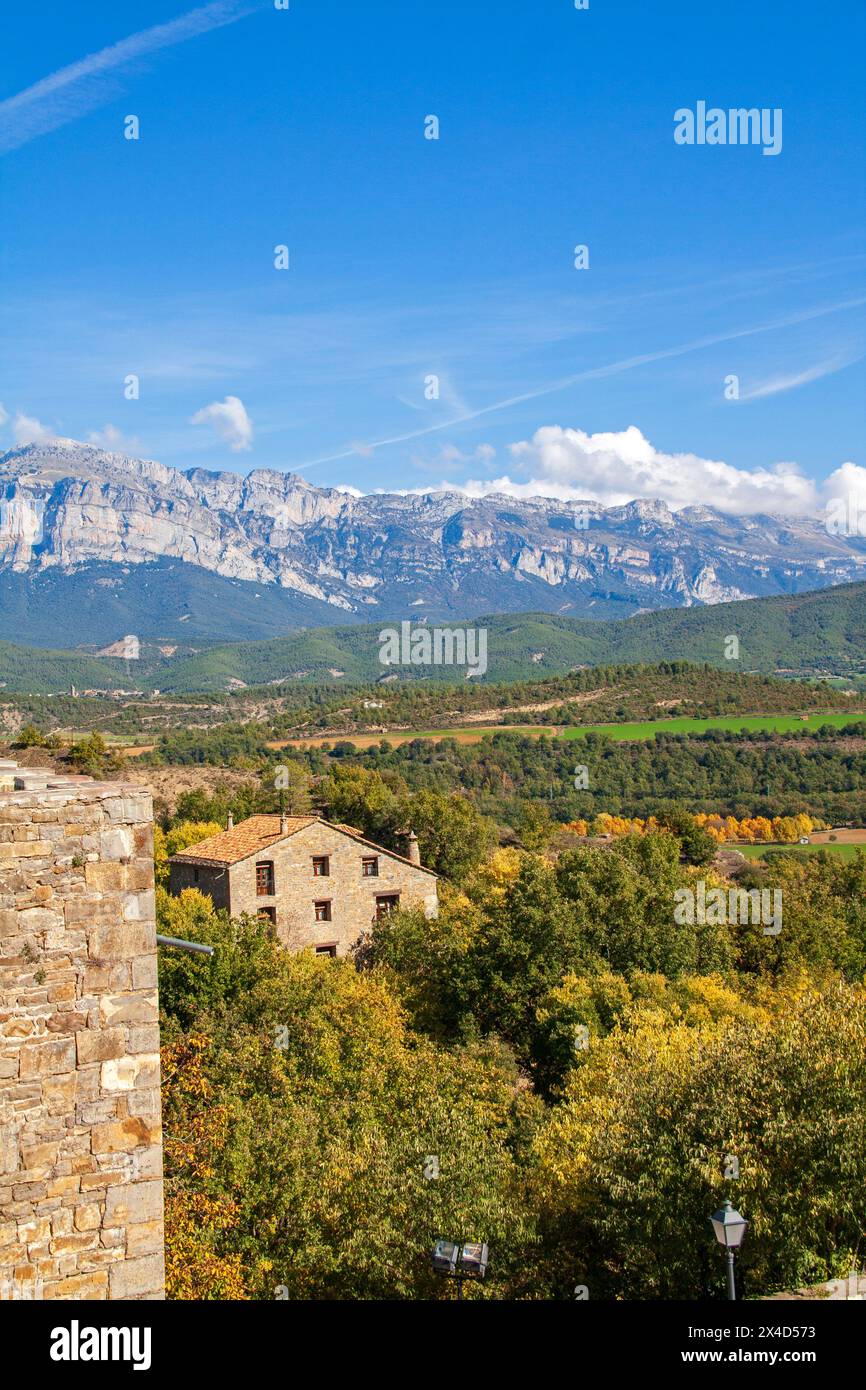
(184, 945)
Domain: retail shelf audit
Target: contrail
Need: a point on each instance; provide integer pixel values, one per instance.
(71, 91)
(803, 378)
(625, 364)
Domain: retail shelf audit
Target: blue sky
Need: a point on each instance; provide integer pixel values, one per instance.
(412, 257)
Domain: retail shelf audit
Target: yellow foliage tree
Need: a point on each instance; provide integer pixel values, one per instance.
(169, 842)
(197, 1214)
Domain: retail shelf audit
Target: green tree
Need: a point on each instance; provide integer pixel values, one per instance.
(527, 937)
(536, 826)
(360, 798)
(625, 895)
(92, 756)
(453, 838)
(29, 737)
(697, 846)
(292, 782)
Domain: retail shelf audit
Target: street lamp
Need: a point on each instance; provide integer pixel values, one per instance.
(730, 1228)
(460, 1261)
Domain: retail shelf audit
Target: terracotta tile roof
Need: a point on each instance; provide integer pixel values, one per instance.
(250, 837)
(371, 844)
(259, 832)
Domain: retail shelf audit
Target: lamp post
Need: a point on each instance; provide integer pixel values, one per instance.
(460, 1261)
(730, 1228)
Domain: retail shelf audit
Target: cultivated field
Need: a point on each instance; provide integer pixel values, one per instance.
(629, 732)
(397, 736)
(737, 723)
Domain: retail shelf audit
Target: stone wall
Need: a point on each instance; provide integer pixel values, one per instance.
(80, 1140)
(213, 882)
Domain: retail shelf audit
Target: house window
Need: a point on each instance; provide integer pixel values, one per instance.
(265, 879)
(195, 875)
(268, 913)
(323, 910)
(321, 866)
(387, 903)
(370, 867)
(330, 949)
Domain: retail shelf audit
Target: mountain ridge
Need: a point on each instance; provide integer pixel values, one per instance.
(324, 555)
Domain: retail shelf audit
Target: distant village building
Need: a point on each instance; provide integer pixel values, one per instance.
(114, 694)
(321, 885)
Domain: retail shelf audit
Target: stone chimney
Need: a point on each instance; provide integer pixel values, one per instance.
(284, 824)
(413, 853)
(230, 823)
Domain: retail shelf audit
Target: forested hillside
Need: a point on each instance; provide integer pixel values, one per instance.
(825, 630)
(822, 631)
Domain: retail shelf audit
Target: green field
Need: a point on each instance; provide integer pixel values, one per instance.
(760, 851)
(759, 723)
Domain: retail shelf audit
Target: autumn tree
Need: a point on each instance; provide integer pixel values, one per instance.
(632, 1163)
(344, 1145)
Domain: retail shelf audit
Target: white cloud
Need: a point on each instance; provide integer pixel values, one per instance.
(230, 420)
(450, 458)
(4, 414)
(848, 483)
(616, 467)
(483, 487)
(71, 91)
(27, 430)
(111, 438)
(449, 453)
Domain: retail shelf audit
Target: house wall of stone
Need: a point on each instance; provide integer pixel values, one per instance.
(213, 882)
(81, 1200)
(353, 897)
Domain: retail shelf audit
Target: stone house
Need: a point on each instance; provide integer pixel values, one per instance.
(321, 885)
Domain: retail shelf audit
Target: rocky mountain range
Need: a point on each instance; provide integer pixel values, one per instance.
(95, 544)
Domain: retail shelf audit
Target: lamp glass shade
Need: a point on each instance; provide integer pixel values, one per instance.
(445, 1256)
(729, 1226)
(473, 1260)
